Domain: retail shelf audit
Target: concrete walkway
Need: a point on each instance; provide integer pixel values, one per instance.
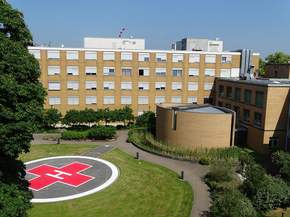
(193, 172)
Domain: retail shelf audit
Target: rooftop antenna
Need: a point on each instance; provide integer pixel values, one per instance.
(121, 32)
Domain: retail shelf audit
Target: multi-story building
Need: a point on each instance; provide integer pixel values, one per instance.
(262, 110)
(277, 71)
(79, 78)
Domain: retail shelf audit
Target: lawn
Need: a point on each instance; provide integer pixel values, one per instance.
(143, 189)
(278, 213)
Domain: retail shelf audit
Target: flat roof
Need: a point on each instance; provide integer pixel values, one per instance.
(271, 82)
(134, 50)
(195, 108)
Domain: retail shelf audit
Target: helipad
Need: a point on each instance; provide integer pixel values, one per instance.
(68, 177)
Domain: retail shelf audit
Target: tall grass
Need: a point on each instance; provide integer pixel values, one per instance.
(147, 142)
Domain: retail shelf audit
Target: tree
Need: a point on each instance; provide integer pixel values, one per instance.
(232, 203)
(21, 109)
(147, 120)
(278, 58)
(51, 117)
(88, 116)
(125, 115)
(72, 118)
(262, 65)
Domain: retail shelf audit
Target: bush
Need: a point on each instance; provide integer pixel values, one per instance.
(232, 203)
(74, 135)
(148, 121)
(102, 132)
(281, 161)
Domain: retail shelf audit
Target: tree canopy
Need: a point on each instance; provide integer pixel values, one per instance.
(278, 58)
(21, 109)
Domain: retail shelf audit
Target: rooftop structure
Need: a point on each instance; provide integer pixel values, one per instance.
(196, 44)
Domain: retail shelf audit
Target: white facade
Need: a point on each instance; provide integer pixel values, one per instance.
(115, 43)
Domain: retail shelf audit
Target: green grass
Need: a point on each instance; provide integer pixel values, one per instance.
(278, 213)
(143, 189)
(49, 150)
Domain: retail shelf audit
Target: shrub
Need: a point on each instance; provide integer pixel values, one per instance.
(102, 132)
(148, 121)
(232, 203)
(74, 135)
(281, 161)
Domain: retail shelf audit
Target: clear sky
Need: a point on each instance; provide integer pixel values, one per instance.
(263, 25)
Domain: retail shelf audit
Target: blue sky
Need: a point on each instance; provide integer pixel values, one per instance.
(263, 25)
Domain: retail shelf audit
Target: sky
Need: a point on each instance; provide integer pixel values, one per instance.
(261, 25)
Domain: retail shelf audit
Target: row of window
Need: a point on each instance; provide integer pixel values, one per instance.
(110, 71)
(125, 100)
(246, 115)
(110, 85)
(128, 56)
(236, 94)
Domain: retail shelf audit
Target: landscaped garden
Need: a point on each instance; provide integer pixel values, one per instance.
(143, 189)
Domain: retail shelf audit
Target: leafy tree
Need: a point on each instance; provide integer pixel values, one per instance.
(278, 58)
(125, 115)
(51, 117)
(232, 203)
(262, 65)
(281, 161)
(21, 109)
(88, 116)
(147, 120)
(72, 118)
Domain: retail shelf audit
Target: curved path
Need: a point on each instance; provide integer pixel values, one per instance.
(193, 172)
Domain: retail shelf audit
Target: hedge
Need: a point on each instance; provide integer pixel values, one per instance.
(97, 132)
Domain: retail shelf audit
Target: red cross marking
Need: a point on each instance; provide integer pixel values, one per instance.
(48, 175)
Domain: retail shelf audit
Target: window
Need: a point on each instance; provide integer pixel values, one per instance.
(53, 85)
(143, 86)
(126, 100)
(144, 57)
(160, 71)
(238, 94)
(176, 99)
(126, 71)
(259, 99)
(72, 85)
(90, 55)
(109, 100)
(159, 99)
(177, 72)
(53, 70)
(174, 119)
(177, 58)
(248, 96)
(109, 85)
(109, 56)
(91, 70)
(109, 71)
(192, 86)
(91, 85)
(226, 58)
(161, 57)
(192, 99)
(209, 72)
(210, 58)
(160, 85)
(235, 72)
(176, 86)
(143, 100)
(90, 100)
(53, 54)
(193, 72)
(72, 70)
(229, 92)
(273, 142)
(126, 85)
(258, 119)
(143, 72)
(126, 56)
(208, 86)
(225, 73)
(35, 53)
(72, 55)
(73, 100)
(54, 100)
(246, 115)
(221, 91)
(194, 58)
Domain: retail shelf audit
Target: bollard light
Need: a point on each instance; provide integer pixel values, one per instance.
(137, 155)
(182, 175)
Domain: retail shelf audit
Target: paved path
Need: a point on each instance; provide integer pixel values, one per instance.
(193, 172)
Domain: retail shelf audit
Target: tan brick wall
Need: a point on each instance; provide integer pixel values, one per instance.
(194, 130)
(277, 71)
